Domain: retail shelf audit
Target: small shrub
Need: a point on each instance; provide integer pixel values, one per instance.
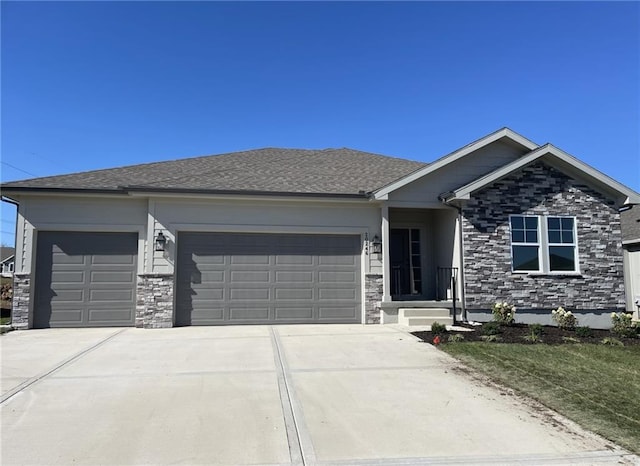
(438, 328)
(504, 313)
(584, 331)
(565, 319)
(610, 341)
(533, 338)
(490, 338)
(570, 340)
(536, 329)
(622, 325)
(455, 338)
(491, 328)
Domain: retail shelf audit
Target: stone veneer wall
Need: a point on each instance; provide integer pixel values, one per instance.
(154, 306)
(373, 285)
(539, 190)
(20, 305)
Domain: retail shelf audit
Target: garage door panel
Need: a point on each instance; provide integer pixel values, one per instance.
(285, 294)
(111, 277)
(291, 259)
(70, 316)
(267, 278)
(337, 260)
(68, 296)
(252, 314)
(253, 294)
(208, 316)
(113, 260)
(60, 258)
(85, 279)
(335, 276)
(294, 277)
(337, 313)
(111, 295)
(249, 276)
(62, 277)
(327, 294)
(112, 314)
(293, 313)
(209, 294)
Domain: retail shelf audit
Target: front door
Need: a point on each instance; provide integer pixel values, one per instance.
(406, 271)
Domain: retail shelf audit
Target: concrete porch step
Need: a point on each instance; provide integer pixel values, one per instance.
(415, 321)
(424, 316)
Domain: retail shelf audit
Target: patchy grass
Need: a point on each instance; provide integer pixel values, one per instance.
(5, 320)
(596, 386)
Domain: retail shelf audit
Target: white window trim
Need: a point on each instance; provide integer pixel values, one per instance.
(538, 244)
(543, 246)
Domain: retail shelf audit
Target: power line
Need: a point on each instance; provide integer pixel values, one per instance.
(19, 169)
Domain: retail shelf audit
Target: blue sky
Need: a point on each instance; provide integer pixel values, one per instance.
(88, 85)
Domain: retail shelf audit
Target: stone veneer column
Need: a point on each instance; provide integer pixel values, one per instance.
(154, 306)
(20, 307)
(373, 291)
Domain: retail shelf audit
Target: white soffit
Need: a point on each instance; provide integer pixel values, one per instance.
(383, 193)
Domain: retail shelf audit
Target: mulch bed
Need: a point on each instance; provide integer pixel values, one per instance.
(515, 333)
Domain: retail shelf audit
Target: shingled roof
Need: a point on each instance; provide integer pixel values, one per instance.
(297, 171)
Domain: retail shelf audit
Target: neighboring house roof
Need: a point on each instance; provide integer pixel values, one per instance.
(559, 159)
(329, 171)
(630, 220)
(6, 253)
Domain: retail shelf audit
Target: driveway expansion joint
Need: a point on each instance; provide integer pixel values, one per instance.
(27, 383)
(300, 445)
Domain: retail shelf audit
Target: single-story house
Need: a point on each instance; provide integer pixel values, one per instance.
(7, 261)
(321, 236)
(630, 219)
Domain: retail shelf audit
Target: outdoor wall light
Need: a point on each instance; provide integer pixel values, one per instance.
(161, 241)
(376, 245)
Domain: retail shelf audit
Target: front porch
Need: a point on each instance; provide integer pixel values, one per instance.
(421, 266)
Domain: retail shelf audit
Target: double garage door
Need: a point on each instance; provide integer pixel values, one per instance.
(235, 278)
(89, 279)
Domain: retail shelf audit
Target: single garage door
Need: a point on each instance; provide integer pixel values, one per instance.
(85, 279)
(239, 278)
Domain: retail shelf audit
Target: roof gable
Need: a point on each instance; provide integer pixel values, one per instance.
(504, 134)
(558, 159)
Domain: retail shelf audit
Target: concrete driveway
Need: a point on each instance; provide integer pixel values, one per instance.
(305, 394)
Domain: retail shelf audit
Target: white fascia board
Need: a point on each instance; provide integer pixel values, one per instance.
(452, 157)
(587, 172)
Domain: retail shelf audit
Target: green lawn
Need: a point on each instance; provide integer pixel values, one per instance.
(596, 386)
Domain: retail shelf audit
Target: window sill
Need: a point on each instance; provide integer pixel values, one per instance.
(548, 274)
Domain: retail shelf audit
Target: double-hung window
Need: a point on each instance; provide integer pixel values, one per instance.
(544, 244)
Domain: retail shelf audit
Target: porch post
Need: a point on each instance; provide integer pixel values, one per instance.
(386, 262)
